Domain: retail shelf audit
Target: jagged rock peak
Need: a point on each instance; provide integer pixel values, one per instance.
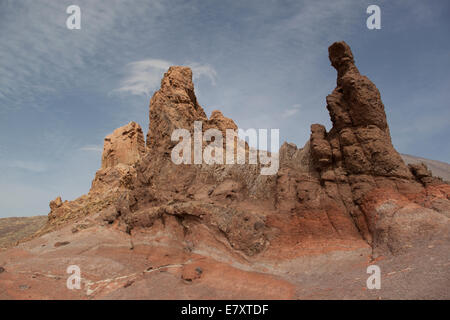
(125, 145)
(173, 106)
(356, 101)
(177, 77)
(341, 58)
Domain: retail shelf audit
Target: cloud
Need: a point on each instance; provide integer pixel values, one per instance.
(200, 70)
(92, 148)
(28, 165)
(40, 55)
(291, 111)
(142, 77)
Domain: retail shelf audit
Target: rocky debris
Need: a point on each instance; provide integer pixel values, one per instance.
(2, 270)
(61, 243)
(329, 190)
(191, 273)
(125, 145)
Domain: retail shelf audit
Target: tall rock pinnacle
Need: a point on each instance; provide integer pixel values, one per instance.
(356, 155)
(174, 106)
(359, 122)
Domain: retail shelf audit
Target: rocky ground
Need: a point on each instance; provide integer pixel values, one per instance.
(153, 229)
(18, 228)
(115, 265)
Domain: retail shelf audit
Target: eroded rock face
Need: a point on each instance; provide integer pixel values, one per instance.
(357, 154)
(359, 121)
(125, 145)
(55, 204)
(348, 185)
(174, 106)
(423, 175)
(219, 121)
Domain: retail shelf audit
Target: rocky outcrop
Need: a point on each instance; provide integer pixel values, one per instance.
(126, 145)
(355, 160)
(121, 151)
(438, 168)
(55, 204)
(219, 121)
(423, 175)
(174, 106)
(357, 154)
(360, 133)
(347, 185)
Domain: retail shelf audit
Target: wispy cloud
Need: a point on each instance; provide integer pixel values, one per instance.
(142, 77)
(203, 70)
(32, 166)
(40, 54)
(92, 148)
(291, 111)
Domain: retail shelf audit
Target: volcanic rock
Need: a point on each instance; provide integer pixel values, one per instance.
(54, 204)
(342, 200)
(125, 145)
(219, 121)
(338, 187)
(174, 106)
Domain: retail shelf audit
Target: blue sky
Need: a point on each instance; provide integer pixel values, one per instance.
(263, 63)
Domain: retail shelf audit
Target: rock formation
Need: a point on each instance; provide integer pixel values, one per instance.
(346, 185)
(125, 145)
(174, 106)
(151, 229)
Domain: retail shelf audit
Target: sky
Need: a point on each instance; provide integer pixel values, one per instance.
(263, 63)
